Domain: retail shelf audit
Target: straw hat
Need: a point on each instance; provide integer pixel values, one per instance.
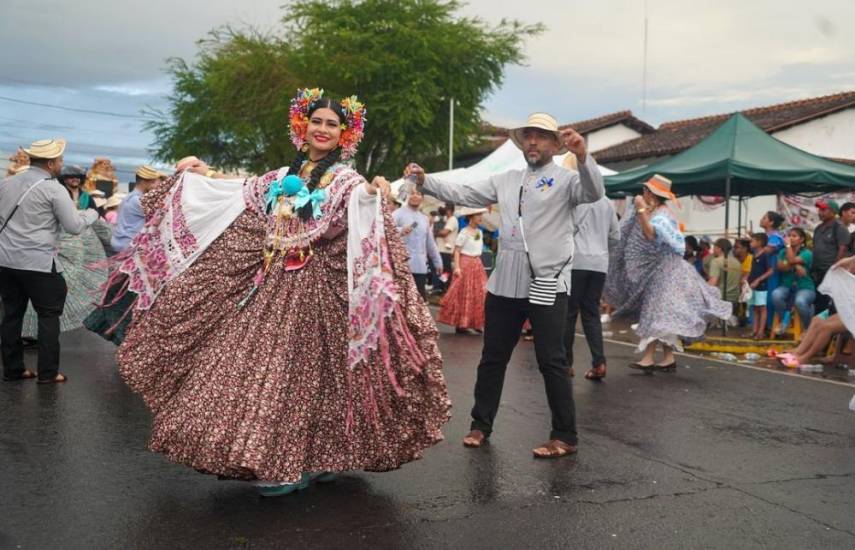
(99, 201)
(146, 172)
(542, 121)
(114, 200)
(660, 186)
(46, 149)
(97, 193)
(467, 211)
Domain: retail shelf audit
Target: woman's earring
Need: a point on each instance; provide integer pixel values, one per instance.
(305, 148)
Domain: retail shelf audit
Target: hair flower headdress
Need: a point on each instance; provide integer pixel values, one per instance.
(353, 128)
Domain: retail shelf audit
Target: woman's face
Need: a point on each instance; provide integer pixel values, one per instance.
(324, 132)
(795, 239)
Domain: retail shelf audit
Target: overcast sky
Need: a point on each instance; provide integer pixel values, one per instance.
(704, 57)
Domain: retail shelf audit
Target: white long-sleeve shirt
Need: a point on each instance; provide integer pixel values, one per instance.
(30, 238)
(549, 195)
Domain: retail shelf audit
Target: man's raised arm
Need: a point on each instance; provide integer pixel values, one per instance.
(475, 194)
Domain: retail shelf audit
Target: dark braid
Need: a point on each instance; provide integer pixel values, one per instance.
(315, 178)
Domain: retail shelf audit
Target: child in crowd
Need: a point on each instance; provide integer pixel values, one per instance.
(761, 270)
(742, 252)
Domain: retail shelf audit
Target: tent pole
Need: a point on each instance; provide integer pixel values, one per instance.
(726, 235)
(739, 218)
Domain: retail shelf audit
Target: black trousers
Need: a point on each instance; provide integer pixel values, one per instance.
(585, 292)
(47, 292)
(447, 267)
(421, 284)
(822, 301)
(504, 321)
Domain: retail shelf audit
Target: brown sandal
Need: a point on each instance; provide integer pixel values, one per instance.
(58, 379)
(27, 374)
(554, 448)
(474, 439)
(596, 373)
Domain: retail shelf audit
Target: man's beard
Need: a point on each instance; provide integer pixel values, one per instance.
(536, 163)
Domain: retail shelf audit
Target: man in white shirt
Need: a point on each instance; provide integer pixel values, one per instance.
(34, 209)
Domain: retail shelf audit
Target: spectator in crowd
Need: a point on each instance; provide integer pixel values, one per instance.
(131, 219)
(693, 254)
(725, 272)
(839, 285)
(35, 209)
(771, 224)
(111, 208)
(417, 236)
(706, 255)
(761, 271)
(742, 252)
(446, 237)
(847, 216)
(795, 285)
(830, 243)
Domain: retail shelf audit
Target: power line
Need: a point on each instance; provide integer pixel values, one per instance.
(73, 109)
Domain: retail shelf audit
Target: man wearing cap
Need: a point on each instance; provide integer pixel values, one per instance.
(131, 217)
(34, 208)
(830, 241)
(535, 253)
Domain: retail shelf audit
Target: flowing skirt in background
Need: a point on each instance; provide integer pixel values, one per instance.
(463, 303)
(82, 257)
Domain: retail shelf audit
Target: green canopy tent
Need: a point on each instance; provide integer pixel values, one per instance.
(739, 159)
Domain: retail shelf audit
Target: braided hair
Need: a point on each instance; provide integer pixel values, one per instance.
(326, 163)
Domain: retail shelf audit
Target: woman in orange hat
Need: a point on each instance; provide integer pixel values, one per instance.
(649, 282)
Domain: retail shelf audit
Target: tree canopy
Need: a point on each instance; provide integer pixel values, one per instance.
(404, 59)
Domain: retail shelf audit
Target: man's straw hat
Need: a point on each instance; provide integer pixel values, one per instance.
(46, 149)
(541, 121)
(146, 172)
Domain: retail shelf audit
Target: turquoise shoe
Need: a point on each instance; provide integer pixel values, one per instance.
(324, 477)
(287, 489)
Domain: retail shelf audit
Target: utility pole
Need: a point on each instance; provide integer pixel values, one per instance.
(451, 134)
(644, 68)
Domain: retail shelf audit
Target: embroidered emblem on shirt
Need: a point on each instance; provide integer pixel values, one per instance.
(545, 183)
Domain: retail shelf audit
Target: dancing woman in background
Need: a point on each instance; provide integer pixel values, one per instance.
(650, 283)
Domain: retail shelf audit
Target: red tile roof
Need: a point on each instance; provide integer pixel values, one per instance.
(673, 137)
(621, 117)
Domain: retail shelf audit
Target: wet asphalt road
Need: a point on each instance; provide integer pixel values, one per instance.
(714, 456)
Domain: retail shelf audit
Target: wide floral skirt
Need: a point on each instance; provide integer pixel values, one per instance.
(263, 392)
(463, 303)
(82, 257)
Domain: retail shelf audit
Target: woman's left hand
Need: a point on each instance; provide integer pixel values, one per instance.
(381, 183)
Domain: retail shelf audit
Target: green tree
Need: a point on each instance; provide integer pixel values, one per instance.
(403, 58)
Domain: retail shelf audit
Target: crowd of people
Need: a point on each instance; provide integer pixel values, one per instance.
(277, 326)
(774, 275)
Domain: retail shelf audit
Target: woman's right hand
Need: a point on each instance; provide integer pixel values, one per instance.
(639, 203)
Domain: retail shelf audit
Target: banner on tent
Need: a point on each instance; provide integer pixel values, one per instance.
(801, 211)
